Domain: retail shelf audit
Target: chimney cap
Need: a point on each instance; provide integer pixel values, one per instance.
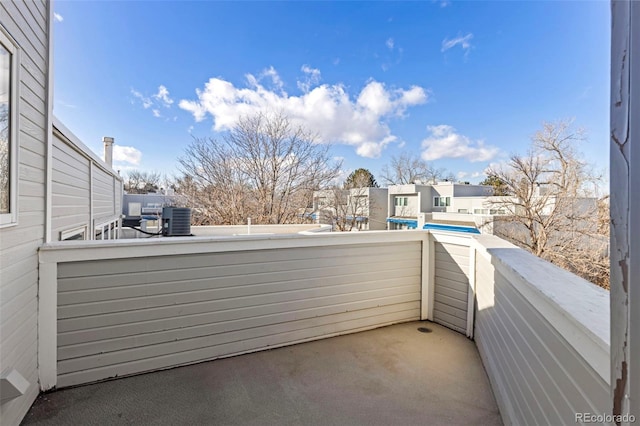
(107, 139)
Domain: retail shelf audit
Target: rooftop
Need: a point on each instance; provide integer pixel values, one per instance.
(390, 375)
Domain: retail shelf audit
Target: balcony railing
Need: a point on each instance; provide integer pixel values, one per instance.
(114, 308)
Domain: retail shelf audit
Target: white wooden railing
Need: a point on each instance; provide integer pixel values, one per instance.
(120, 307)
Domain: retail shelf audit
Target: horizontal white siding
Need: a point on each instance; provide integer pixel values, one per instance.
(71, 205)
(124, 316)
(103, 196)
(451, 285)
(85, 192)
(27, 25)
(538, 375)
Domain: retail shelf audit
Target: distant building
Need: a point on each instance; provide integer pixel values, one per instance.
(136, 207)
(411, 206)
(351, 209)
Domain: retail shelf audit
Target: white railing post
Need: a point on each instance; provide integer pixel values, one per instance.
(428, 277)
(47, 324)
(471, 300)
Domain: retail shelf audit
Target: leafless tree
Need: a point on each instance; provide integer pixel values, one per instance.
(140, 182)
(405, 169)
(265, 168)
(552, 210)
(348, 206)
(5, 164)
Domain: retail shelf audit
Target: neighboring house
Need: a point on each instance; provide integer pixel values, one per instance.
(138, 206)
(51, 188)
(413, 204)
(86, 192)
(347, 209)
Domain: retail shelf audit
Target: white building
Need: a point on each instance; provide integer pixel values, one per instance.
(411, 205)
(346, 209)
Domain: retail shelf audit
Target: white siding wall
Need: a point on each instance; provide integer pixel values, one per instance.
(71, 199)
(80, 179)
(27, 23)
(410, 210)
(451, 285)
(120, 316)
(542, 334)
(377, 209)
(103, 201)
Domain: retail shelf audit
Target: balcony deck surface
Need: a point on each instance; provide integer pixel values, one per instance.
(393, 375)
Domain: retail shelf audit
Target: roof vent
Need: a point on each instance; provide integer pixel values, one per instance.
(176, 222)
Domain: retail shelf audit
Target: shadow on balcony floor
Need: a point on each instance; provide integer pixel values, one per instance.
(391, 375)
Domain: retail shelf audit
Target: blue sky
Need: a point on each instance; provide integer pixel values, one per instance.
(462, 84)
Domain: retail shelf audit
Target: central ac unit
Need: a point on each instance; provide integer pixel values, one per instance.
(176, 222)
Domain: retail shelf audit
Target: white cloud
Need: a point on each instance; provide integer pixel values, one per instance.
(163, 96)
(444, 142)
(444, 3)
(470, 175)
(267, 73)
(393, 56)
(146, 102)
(585, 93)
(326, 110)
(65, 104)
(127, 154)
(389, 43)
(58, 17)
(160, 99)
(311, 79)
(463, 41)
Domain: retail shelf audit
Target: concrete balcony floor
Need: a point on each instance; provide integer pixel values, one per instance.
(393, 375)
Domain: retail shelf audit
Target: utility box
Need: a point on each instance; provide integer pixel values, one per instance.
(176, 222)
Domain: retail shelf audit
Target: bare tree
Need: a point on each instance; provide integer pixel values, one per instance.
(5, 159)
(552, 212)
(406, 169)
(264, 168)
(348, 206)
(140, 182)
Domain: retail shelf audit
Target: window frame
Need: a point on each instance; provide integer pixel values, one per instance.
(11, 218)
(401, 201)
(438, 201)
(70, 233)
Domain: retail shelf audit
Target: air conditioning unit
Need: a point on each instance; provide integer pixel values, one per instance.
(176, 222)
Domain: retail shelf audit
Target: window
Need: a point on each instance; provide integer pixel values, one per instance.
(74, 234)
(401, 201)
(8, 130)
(441, 201)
